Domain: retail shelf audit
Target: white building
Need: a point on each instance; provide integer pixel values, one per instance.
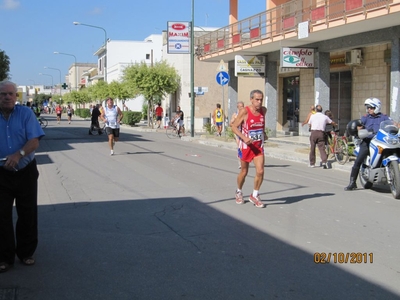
(121, 54)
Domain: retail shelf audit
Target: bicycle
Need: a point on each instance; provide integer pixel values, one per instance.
(96, 129)
(43, 122)
(338, 147)
(172, 130)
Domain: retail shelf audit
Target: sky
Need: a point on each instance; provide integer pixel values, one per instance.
(32, 30)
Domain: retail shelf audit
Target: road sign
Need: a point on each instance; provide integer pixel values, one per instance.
(222, 78)
(222, 66)
(64, 86)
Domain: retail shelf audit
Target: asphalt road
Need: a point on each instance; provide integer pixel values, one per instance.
(158, 220)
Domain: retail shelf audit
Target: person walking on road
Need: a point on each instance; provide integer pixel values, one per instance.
(239, 106)
(95, 119)
(159, 113)
(251, 120)
(18, 179)
(317, 124)
(112, 116)
(218, 118)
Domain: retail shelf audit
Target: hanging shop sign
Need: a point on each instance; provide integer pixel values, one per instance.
(249, 65)
(297, 57)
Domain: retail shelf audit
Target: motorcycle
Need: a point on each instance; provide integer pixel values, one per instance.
(382, 164)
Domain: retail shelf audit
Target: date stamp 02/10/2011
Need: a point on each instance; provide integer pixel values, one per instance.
(343, 257)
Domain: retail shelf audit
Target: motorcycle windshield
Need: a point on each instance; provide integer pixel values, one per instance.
(389, 126)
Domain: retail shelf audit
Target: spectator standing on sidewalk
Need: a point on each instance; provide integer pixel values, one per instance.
(159, 113)
(312, 112)
(239, 106)
(251, 120)
(218, 118)
(181, 123)
(18, 179)
(317, 123)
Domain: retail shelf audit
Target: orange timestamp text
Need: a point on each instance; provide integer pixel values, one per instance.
(343, 257)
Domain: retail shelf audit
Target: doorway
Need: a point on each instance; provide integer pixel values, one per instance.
(340, 98)
(291, 103)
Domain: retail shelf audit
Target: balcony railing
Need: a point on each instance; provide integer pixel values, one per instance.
(282, 21)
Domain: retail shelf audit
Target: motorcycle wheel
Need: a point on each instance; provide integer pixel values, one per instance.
(365, 184)
(395, 174)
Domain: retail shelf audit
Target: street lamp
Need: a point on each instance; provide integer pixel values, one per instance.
(192, 73)
(105, 45)
(60, 76)
(76, 74)
(32, 81)
(52, 79)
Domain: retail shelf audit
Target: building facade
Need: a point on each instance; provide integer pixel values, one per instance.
(355, 46)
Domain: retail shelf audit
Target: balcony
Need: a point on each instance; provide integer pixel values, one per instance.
(277, 27)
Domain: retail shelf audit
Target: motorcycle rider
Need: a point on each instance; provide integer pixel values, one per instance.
(371, 122)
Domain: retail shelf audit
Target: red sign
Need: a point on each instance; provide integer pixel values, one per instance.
(178, 26)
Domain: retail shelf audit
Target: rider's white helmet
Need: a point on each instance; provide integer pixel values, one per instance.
(374, 102)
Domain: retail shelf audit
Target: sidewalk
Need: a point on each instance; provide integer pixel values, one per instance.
(291, 148)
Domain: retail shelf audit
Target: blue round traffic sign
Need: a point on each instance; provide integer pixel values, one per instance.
(222, 78)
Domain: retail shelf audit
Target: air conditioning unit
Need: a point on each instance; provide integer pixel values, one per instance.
(353, 57)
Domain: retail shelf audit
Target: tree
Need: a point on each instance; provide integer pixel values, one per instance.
(99, 91)
(151, 82)
(76, 97)
(118, 90)
(4, 65)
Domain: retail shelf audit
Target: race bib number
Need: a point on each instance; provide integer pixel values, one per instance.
(256, 135)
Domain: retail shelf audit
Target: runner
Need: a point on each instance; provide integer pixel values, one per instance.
(58, 113)
(252, 136)
(112, 116)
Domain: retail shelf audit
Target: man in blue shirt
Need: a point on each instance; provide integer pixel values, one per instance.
(20, 133)
(371, 122)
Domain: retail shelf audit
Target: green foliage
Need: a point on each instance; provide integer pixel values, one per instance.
(131, 117)
(4, 65)
(82, 112)
(151, 82)
(76, 97)
(229, 133)
(98, 91)
(118, 90)
(210, 129)
(40, 98)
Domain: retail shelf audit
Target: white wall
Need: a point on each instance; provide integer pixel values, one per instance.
(121, 54)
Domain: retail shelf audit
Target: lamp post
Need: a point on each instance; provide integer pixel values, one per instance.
(32, 81)
(105, 45)
(76, 74)
(60, 76)
(192, 73)
(52, 79)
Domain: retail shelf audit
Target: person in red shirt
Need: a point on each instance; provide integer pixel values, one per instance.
(159, 113)
(251, 120)
(58, 113)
